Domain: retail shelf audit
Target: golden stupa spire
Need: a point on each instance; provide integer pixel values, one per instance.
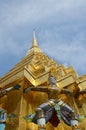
(34, 47)
(34, 42)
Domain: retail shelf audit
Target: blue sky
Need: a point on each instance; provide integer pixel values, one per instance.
(60, 27)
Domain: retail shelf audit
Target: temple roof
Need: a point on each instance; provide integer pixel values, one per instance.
(36, 62)
(36, 66)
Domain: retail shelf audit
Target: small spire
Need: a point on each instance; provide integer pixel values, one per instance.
(35, 47)
(34, 42)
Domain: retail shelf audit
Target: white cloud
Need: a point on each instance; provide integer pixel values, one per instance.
(60, 23)
(35, 11)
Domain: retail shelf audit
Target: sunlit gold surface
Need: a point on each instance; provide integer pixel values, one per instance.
(34, 69)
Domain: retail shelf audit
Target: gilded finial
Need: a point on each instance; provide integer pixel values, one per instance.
(34, 47)
(34, 42)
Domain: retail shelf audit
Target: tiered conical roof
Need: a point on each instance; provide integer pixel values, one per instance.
(36, 63)
(36, 66)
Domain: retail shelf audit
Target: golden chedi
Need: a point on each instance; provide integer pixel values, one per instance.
(34, 70)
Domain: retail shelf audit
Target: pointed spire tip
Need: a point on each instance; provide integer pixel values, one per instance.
(35, 47)
(34, 42)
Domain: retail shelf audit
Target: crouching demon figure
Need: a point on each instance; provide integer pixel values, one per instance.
(54, 111)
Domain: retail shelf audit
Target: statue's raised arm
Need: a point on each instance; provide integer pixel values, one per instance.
(5, 91)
